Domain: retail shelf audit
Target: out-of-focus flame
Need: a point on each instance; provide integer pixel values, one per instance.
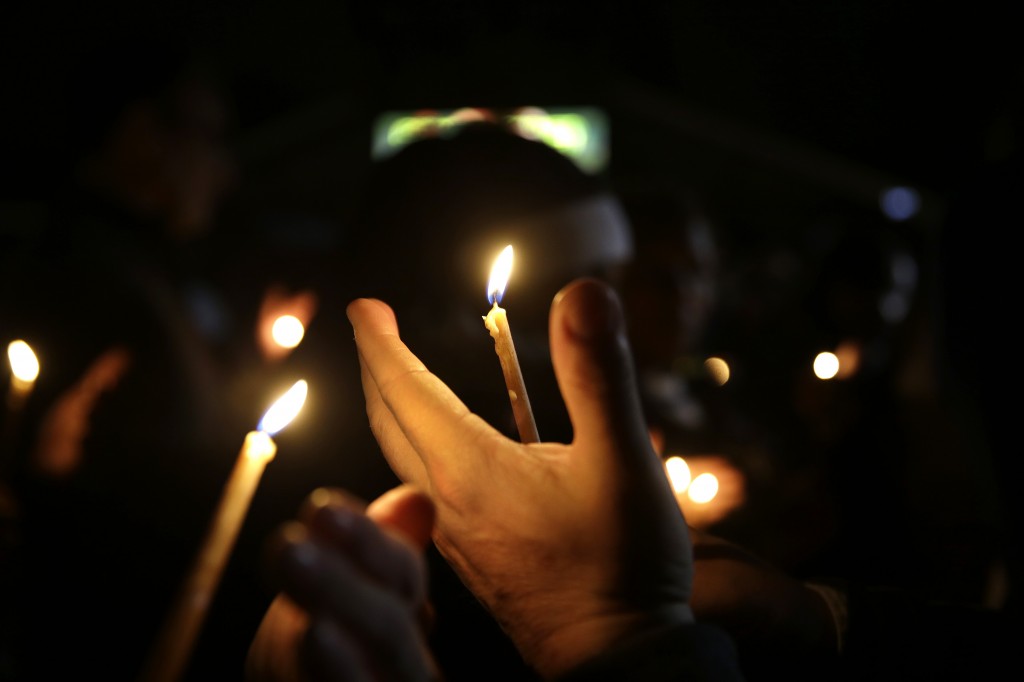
(703, 489)
(848, 354)
(500, 272)
(24, 364)
(826, 365)
(288, 331)
(282, 412)
(718, 369)
(678, 473)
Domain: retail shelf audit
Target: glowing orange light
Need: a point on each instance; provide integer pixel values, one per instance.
(718, 369)
(288, 331)
(703, 489)
(848, 355)
(678, 473)
(24, 364)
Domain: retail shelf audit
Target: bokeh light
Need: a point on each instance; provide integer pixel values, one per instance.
(900, 203)
(703, 489)
(718, 369)
(826, 365)
(24, 364)
(848, 355)
(288, 331)
(678, 473)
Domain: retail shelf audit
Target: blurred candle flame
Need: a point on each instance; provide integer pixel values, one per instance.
(678, 473)
(288, 331)
(704, 488)
(500, 272)
(826, 365)
(848, 355)
(718, 369)
(287, 407)
(24, 364)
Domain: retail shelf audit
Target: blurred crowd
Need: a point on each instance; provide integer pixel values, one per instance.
(154, 333)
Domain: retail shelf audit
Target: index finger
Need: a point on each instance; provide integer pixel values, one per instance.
(435, 422)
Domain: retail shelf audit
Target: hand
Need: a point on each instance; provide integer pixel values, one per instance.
(59, 446)
(758, 604)
(353, 600)
(571, 547)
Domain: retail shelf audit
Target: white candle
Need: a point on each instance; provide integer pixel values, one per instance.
(496, 322)
(174, 645)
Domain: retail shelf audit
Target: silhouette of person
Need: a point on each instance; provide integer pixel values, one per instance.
(128, 439)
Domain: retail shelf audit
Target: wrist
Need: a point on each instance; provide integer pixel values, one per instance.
(562, 649)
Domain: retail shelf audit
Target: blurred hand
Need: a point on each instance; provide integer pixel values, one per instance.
(353, 604)
(757, 603)
(277, 303)
(571, 547)
(65, 425)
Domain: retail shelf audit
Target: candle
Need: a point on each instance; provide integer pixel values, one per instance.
(175, 642)
(496, 322)
(24, 371)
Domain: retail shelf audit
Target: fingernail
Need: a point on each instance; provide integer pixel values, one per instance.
(594, 313)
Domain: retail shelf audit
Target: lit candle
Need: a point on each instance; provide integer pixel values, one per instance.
(24, 371)
(174, 645)
(496, 322)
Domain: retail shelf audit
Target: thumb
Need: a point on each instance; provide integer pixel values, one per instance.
(594, 367)
(406, 510)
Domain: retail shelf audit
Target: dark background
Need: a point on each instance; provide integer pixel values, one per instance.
(779, 115)
(784, 116)
(835, 97)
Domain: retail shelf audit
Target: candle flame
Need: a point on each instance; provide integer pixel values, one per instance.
(826, 365)
(288, 331)
(500, 272)
(678, 473)
(282, 412)
(24, 364)
(704, 488)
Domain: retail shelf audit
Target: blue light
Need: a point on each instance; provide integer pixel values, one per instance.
(900, 203)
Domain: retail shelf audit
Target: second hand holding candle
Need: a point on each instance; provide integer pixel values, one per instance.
(177, 638)
(496, 322)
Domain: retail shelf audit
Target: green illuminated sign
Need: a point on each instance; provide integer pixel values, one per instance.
(579, 133)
